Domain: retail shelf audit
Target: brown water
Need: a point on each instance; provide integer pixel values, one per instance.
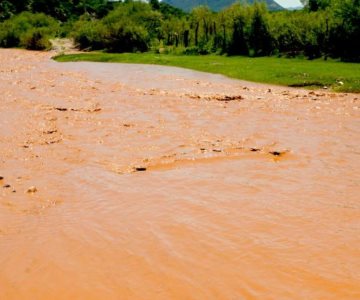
(253, 198)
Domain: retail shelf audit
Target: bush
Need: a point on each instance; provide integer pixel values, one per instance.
(89, 34)
(131, 27)
(28, 30)
(124, 36)
(8, 37)
(35, 39)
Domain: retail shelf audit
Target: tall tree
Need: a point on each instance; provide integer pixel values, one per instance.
(260, 37)
(155, 4)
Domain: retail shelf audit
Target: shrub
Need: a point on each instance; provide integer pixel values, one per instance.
(128, 28)
(35, 39)
(8, 36)
(124, 36)
(28, 30)
(89, 34)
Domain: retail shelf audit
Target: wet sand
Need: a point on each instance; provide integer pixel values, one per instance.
(161, 183)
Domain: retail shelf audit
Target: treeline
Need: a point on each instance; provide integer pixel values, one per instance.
(62, 10)
(324, 28)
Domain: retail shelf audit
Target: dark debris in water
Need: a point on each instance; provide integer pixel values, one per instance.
(276, 153)
(229, 98)
(61, 108)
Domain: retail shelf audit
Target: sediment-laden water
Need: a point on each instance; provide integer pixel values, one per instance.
(147, 182)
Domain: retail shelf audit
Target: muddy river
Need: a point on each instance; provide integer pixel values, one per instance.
(146, 182)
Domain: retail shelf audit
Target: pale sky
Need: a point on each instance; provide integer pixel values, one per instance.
(289, 3)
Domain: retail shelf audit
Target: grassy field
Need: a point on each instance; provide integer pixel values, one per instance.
(296, 72)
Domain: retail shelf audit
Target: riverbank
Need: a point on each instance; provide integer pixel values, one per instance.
(296, 72)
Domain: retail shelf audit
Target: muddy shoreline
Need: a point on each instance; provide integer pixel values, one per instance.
(162, 183)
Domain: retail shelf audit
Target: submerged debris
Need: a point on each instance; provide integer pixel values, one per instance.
(50, 131)
(96, 109)
(216, 97)
(31, 190)
(61, 108)
(228, 98)
(90, 110)
(277, 153)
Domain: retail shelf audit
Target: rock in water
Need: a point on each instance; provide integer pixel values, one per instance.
(31, 190)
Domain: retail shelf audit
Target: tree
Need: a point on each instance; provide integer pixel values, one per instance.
(201, 17)
(12, 7)
(315, 5)
(238, 44)
(155, 4)
(260, 38)
(345, 34)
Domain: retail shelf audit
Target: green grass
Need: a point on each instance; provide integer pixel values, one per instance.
(281, 71)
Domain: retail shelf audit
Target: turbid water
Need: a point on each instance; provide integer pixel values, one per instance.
(146, 182)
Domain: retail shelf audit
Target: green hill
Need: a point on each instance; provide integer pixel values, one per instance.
(215, 5)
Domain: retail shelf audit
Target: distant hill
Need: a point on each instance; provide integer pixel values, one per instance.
(215, 5)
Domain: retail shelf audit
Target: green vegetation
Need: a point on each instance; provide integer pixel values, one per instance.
(31, 31)
(62, 10)
(324, 29)
(217, 5)
(129, 29)
(339, 76)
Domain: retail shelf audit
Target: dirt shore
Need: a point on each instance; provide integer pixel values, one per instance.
(146, 182)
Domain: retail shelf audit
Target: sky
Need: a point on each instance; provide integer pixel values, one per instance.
(289, 3)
